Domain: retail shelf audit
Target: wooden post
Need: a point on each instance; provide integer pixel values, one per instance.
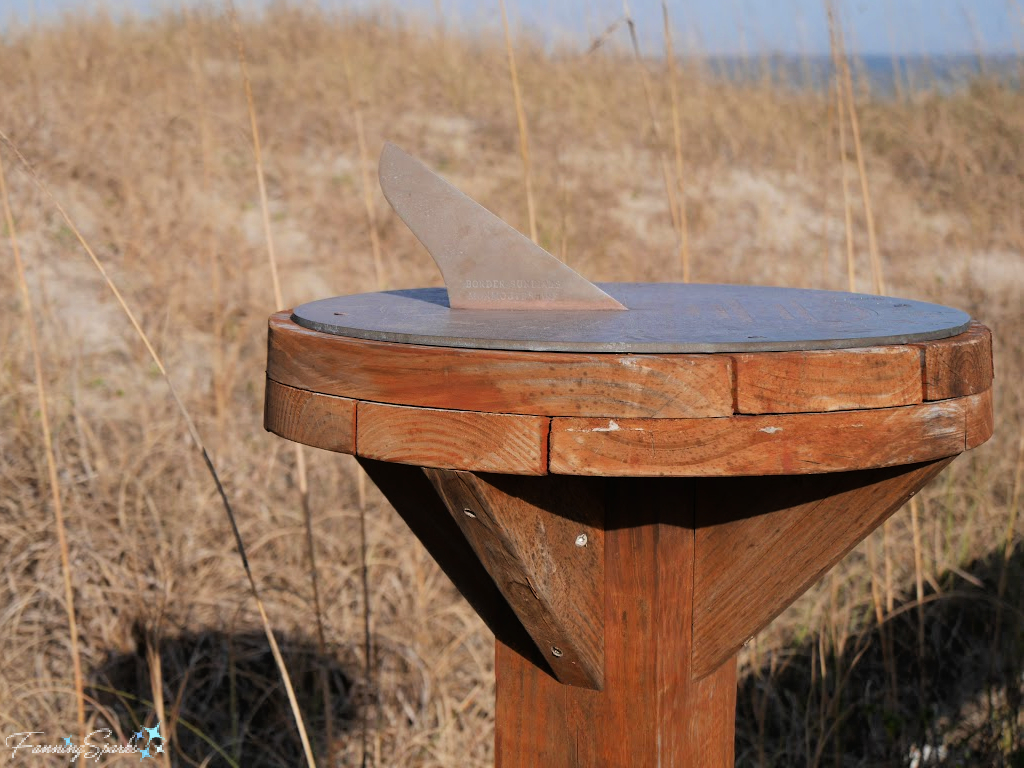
(650, 710)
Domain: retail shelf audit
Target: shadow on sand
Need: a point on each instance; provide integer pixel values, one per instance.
(225, 703)
(957, 678)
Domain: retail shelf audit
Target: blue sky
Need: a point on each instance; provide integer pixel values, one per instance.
(712, 26)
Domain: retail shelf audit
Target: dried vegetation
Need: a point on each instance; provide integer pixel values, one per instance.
(141, 130)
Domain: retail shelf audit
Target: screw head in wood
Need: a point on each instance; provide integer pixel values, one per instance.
(581, 540)
(556, 651)
(469, 512)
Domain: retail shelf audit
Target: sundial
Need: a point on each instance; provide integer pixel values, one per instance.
(625, 480)
(505, 292)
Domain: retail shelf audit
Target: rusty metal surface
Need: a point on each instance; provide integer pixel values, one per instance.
(662, 317)
(486, 264)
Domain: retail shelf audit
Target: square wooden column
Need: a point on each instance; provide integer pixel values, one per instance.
(650, 710)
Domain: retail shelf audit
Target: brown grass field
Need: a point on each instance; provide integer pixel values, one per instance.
(141, 131)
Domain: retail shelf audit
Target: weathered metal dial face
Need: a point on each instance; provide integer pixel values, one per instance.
(661, 317)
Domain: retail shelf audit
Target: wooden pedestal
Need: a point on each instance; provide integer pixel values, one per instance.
(624, 523)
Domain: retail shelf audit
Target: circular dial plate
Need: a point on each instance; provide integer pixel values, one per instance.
(661, 318)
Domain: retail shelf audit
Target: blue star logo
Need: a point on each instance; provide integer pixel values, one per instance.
(154, 733)
(138, 735)
(144, 753)
(67, 740)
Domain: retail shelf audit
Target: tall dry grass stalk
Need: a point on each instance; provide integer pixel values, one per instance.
(370, 209)
(915, 525)
(524, 134)
(257, 151)
(365, 165)
(1009, 541)
(300, 456)
(369, 655)
(826, 187)
(645, 84)
(1015, 508)
(190, 426)
(51, 460)
(156, 684)
(878, 282)
(869, 216)
(1011, 519)
(677, 144)
(851, 270)
(883, 599)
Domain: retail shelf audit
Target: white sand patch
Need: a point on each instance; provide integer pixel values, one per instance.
(997, 270)
(70, 298)
(765, 210)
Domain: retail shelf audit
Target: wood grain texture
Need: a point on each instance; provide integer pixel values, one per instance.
(761, 542)
(531, 715)
(828, 380)
(524, 531)
(958, 366)
(496, 381)
(627, 386)
(321, 421)
(784, 444)
(412, 495)
(651, 711)
(427, 437)
(980, 418)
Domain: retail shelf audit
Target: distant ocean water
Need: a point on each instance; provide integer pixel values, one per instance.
(885, 75)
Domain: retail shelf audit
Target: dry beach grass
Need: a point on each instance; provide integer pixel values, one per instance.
(141, 130)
